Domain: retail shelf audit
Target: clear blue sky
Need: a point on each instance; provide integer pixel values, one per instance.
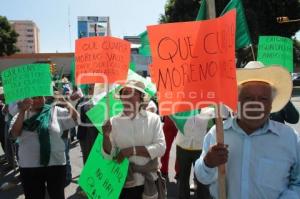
(127, 17)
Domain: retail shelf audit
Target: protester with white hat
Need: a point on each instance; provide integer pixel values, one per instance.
(139, 137)
(262, 156)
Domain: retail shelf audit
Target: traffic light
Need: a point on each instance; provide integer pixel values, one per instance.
(53, 69)
(282, 19)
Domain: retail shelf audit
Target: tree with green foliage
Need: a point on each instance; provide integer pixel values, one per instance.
(180, 10)
(8, 38)
(261, 15)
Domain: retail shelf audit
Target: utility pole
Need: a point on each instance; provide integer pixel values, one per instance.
(211, 9)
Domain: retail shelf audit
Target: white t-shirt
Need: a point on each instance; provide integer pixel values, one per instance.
(195, 129)
(144, 130)
(29, 145)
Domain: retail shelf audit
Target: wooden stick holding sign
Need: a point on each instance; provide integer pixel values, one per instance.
(220, 140)
(107, 101)
(219, 121)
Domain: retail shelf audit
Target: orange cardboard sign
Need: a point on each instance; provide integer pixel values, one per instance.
(193, 64)
(101, 60)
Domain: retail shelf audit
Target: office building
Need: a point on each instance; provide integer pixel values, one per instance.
(89, 26)
(28, 39)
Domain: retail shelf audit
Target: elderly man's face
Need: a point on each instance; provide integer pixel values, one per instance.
(256, 103)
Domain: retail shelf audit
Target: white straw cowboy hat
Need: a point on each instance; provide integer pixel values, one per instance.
(278, 77)
(137, 85)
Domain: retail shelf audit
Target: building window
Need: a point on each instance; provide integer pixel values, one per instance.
(29, 30)
(30, 41)
(29, 35)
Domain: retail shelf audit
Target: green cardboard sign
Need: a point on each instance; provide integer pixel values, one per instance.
(26, 81)
(102, 178)
(276, 50)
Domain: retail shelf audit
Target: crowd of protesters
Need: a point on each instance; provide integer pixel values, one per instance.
(262, 155)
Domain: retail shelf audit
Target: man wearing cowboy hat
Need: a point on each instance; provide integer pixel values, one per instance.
(139, 137)
(262, 156)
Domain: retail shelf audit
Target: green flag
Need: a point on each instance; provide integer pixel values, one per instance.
(202, 11)
(242, 36)
(145, 46)
(180, 119)
(97, 113)
(149, 86)
(132, 65)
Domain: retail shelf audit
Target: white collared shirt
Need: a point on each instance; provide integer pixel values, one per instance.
(264, 164)
(195, 129)
(144, 130)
